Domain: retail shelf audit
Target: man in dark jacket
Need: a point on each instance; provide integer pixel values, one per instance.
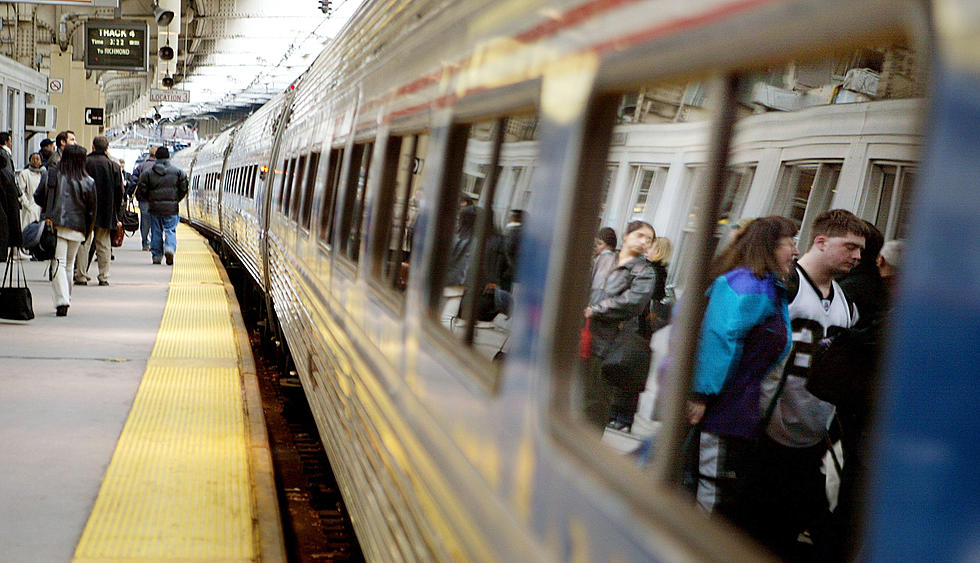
(108, 190)
(10, 234)
(163, 186)
(144, 205)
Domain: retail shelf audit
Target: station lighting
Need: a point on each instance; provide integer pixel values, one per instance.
(168, 81)
(325, 6)
(166, 52)
(163, 15)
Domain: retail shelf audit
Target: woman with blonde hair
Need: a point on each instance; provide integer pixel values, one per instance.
(657, 314)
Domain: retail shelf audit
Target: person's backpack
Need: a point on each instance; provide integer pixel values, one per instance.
(40, 239)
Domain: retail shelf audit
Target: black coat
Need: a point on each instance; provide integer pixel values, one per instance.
(163, 185)
(69, 203)
(10, 228)
(108, 188)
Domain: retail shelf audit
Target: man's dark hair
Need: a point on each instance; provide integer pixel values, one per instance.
(62, 138)
(4, 137)
(72, 163)
(608, 236)
(100, 143)
(755, 248)
(837, 223)
(163, 153)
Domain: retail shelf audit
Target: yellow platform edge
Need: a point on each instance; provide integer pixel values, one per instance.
(207, 409)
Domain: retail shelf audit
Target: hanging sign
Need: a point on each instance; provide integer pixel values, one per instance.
(116, 45)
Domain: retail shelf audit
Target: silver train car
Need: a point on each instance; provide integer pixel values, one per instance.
(452, 420)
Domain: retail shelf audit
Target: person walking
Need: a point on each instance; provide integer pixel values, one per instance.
(745, 334)
(68, 198)
(109, 191)
(144, 205)
(163, 185)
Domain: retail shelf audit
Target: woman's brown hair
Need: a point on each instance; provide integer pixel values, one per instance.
(755, 248)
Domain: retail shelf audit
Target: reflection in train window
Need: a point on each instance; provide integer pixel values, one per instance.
(352, 213)
(307, 204)
(289, 169)
(296, 189)
(478, 254)
(889, 197)
(658, 146)
(805, 191)
(330, 187)
(838, 134)
(398, 196)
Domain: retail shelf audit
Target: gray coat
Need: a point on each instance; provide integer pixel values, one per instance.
(68, 203)
(163, 185)
(617, 304)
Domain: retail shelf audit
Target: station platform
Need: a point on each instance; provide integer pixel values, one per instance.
(132, 429)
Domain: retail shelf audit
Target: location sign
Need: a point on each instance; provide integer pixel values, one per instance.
(116, 45)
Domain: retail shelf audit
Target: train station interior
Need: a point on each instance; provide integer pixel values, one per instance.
(417, 280)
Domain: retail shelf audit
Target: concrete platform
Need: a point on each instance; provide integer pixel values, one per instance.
(67, 385)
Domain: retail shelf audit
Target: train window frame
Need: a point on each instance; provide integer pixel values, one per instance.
(328, 204)
(298, 186)
(306, 213)
(655, 501)
(452, 148)
(359, 158)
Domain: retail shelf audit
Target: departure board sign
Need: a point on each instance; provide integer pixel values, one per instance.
(116, 45)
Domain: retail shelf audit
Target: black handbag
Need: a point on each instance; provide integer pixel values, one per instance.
(626, 363)
(15, 300)
(129, 218)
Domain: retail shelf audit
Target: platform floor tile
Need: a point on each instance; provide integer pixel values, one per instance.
(178, 487)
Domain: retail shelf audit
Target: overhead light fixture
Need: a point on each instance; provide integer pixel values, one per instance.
(163, 15)
(166, 52)
(167, 81)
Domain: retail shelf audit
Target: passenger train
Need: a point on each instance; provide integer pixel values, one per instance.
(448, 406)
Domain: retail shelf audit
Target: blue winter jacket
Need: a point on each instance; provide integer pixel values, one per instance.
(745, 333)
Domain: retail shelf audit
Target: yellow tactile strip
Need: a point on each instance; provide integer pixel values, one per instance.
(179, 486)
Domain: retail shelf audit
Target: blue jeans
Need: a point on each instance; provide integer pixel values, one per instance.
(145, 223)
(163, 234)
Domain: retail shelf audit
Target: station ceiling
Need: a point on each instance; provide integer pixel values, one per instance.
(231, 54)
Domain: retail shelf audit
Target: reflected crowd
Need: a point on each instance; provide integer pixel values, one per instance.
(785, 372)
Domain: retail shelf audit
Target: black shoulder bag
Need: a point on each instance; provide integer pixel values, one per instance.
(15, 300)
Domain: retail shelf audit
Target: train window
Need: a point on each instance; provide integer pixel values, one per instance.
(331, 186)
(307, 212)
(299, 177)
(398, 205)
(289, 185)
(352, 216)
(744, 439)
(479, 238)
(283, 183)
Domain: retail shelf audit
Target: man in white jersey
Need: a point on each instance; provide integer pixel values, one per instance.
(789, 487)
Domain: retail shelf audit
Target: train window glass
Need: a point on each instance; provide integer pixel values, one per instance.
(801, 146)
(398, 205)
(352, 217)
(283, 171)
(480, 236)
(298, 187)
(289, 181)
(307, 213)
(330, 194)
(661, 132)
